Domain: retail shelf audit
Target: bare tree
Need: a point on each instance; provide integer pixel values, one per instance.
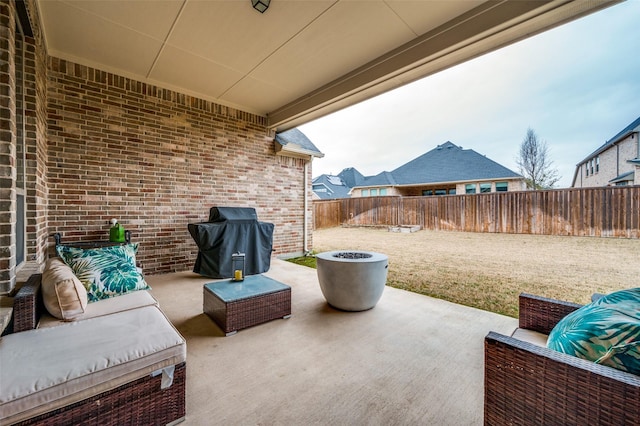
(534, 163)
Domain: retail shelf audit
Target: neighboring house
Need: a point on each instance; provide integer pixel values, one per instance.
(445, 170)
(615, 163)
(329, 187)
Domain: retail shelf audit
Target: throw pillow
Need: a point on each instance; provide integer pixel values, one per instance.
(606, 331)
(63, 294)
(105, 271)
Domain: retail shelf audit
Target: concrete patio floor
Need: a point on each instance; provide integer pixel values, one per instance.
(410, 360)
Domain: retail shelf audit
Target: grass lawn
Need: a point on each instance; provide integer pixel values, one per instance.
(488, 271)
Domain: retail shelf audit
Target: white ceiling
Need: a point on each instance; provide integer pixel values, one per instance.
(299, 60)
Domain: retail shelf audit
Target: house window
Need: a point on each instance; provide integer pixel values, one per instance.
(364, 192)
(586, 167)
(597, 164)
(485, 187)
(591, 166)
(452, 191)
(374, 192)
(427, 192)
(470, 188)
(383, 191)
(502, 186)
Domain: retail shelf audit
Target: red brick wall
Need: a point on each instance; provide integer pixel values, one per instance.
(157, 160)
(36, 141)
(7, 147)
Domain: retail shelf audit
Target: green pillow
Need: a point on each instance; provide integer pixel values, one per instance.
(106, 271)
(606, 331)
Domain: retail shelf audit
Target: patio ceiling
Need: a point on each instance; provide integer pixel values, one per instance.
(299, 60)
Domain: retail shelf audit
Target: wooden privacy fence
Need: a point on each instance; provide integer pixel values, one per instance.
(602, 212)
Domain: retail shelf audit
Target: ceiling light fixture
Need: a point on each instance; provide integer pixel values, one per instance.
(260, 5)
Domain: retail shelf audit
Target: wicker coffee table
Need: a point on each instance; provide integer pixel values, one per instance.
(234, 305)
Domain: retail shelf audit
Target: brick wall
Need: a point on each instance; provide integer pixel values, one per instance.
(157, 160)
(23, 77)
(7, 147)
(98, 145)
(36, 142)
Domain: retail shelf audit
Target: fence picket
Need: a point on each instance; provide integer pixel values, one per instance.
(607, 211)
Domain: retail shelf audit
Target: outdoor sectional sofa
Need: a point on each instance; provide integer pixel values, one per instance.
(121, 361)
(527, 383)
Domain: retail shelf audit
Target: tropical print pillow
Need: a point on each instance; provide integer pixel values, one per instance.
(606, 331)
(106, 271)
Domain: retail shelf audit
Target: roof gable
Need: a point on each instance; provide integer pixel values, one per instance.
(450, 163)
(351, 177)
(633, 127)
(328, 187)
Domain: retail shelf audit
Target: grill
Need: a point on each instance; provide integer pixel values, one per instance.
(232, 230)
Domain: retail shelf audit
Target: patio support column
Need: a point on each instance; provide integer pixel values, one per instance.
(7, 148)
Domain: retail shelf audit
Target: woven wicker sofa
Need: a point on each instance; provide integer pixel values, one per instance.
(528, 384)
(126, 367)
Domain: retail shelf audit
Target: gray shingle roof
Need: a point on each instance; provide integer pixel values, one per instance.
(445, 163)
(633, 127)
(296, 137)
(328, 187)
(381, 179)
(629, 176)
(351, 176)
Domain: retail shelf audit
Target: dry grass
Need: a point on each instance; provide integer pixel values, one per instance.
(488, 271)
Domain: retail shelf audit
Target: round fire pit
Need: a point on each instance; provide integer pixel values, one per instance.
(352, 280)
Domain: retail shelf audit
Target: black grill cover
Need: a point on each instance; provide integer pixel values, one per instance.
(232, 214)
(231, 230)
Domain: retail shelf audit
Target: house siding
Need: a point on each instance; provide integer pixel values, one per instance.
(416, 191)
(613, 163)
(102, 146)
(512, 185)
(391, 190)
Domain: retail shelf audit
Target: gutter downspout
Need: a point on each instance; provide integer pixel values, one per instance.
(617, 160)
(306, 205)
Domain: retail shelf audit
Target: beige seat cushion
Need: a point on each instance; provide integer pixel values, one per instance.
(112, 305)
(64, 295)
(45, 369)
(530, 336)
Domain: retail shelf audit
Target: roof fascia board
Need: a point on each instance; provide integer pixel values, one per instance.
(293, 150)
(491, 25)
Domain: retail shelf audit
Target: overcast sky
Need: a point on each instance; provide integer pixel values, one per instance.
(576, 86)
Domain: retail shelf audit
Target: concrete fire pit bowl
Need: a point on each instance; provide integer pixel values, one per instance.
(352, 280)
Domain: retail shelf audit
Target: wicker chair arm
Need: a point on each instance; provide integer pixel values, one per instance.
(541, 314)
(27, 305)
(529, 384)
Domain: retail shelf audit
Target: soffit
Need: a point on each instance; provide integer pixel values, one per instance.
(299, 60)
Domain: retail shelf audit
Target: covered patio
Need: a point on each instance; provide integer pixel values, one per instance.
(410, 360)
(152, 112)
(152, 115)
